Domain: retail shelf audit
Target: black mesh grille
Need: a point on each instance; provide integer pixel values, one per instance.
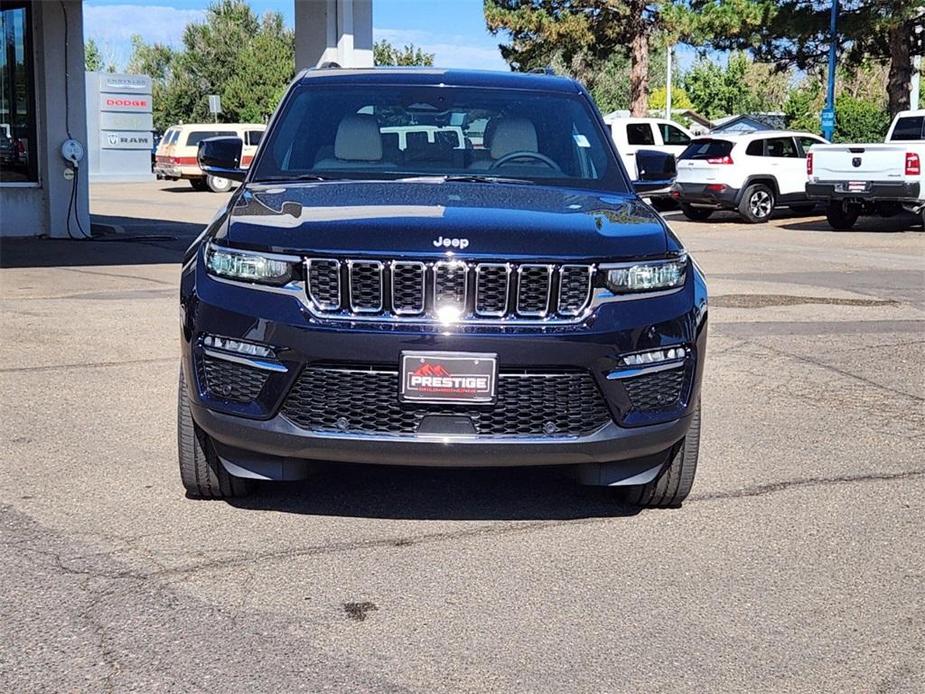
(532, 404)
(655, 391)
(230, 381)
(491, 289)
(365, 285)
(407, 288)
(324, 283)
(450, 284)
(533, 290)
(574, 285)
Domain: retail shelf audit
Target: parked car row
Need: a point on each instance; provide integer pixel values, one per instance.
(175, 157)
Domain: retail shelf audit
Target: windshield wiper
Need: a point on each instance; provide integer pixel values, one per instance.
(468, 178)
(298, 177)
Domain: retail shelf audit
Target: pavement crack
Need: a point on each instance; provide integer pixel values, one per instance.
(773, 487)
(87, 365)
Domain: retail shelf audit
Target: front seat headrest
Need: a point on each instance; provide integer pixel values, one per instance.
(358, 138)
(513, 135)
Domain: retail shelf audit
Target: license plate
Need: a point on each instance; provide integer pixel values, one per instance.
(857, 186)
(464, 377)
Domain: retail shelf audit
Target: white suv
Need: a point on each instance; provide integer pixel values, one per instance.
(751, 174)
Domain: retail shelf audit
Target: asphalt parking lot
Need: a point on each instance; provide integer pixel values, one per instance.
(796, 565)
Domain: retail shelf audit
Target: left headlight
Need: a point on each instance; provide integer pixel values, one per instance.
(247, 266)
(646, 277)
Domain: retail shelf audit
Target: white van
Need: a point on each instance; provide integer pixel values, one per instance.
(176, 154)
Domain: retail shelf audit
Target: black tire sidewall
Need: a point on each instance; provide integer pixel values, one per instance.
(745, 206)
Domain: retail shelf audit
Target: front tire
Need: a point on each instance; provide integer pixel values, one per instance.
(757, 203)
(217, 184)
(672, 486)
(840, 216)
(201, 472)
(696, 214)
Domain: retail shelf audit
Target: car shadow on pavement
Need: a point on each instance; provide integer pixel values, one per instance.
(882, 225)
(116, 241)
(415, 493)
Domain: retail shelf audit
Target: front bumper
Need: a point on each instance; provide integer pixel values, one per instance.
(699, 195)
(898, 191)
(256, 439)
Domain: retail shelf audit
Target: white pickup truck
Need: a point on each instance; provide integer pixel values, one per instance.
(871, 178)
(633, 134)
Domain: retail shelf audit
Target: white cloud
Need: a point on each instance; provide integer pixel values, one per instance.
(449, 50)
(112, 26)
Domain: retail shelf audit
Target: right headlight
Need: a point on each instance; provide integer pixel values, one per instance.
(650, 276)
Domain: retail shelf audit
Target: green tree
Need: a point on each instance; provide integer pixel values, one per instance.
(860, 120)
(796, 32)
(93, 58)
(584, 36)
(246, 60)
(742, 86)
(679, 98)
(266, 68)
(384, 53)
(157, 60)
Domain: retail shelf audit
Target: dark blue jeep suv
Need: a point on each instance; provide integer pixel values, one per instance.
(445, 268)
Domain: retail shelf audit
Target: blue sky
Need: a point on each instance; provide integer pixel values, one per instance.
(452, 29)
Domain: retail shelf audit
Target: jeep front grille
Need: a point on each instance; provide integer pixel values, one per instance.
(415, 290)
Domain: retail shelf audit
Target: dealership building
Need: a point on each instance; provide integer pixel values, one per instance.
(62, 129)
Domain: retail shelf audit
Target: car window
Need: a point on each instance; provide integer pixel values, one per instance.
(909, 128)
(639, 134)
(253, 137)
(782, 147)
(755, 148)
(197, 136)
(672, 135)
(807, 142)
(376, 131)
(707, 149)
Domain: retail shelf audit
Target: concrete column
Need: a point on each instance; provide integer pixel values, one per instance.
(57, 115)
(338, 31)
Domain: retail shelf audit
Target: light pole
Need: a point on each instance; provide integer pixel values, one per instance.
(668, 86)
(828, 113)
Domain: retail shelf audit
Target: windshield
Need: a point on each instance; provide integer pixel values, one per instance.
(387, 132)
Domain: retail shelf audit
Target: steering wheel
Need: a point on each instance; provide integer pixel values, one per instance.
(542, 158)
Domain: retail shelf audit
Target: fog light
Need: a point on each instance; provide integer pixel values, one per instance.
(228, 345)
(655, 356)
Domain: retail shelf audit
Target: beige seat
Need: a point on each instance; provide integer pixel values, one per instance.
(509, 135)
(358, 144)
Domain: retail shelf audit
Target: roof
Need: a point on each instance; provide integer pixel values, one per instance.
(747, 122)
(432, 76)
(756, 135)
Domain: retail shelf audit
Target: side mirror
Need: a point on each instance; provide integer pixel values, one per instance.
(221, 156)
(657, 170)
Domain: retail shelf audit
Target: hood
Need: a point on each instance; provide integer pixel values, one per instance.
(418, 218)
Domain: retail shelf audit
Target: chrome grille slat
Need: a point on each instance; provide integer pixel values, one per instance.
(574, 289)
(409, 279)
(492, 288)
(365, 283)
(324, 283)
(479, 292)
(534, 287)
(451, 284)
